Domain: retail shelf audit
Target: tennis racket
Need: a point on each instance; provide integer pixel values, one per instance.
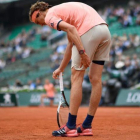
(63, 107)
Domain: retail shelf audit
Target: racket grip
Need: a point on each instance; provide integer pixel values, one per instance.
(61, 82)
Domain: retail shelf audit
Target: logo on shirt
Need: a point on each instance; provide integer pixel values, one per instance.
(52, 24)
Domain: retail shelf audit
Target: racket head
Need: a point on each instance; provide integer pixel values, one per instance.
(63, 107)
(62, 114)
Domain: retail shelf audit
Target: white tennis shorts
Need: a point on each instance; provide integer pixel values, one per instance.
(96, 43)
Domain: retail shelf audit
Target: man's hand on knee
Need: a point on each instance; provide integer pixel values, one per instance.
(85, 60)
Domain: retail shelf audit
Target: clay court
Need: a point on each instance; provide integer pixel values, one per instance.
(34, 123)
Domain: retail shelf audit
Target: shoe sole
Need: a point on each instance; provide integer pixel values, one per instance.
(85, 134)
(71, 135)
(67, 135)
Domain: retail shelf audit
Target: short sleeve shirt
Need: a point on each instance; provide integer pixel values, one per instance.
(49, 89)
(80, 15)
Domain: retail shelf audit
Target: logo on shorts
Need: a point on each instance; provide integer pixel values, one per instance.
(52, 24)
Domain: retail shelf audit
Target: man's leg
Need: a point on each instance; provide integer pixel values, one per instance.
(76, 90)
(76, 96)
(95, 75)
(51, 102)
(42, 97)
(75, 101)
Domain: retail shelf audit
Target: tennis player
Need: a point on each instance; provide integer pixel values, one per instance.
(89, 46)
(50, 92)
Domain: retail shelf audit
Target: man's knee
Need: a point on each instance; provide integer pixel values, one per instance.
(95, 79)
(77, 75)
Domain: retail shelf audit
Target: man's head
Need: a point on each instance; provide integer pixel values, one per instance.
(38, 81)
(38, 12)
(29, 82)
(47, 81)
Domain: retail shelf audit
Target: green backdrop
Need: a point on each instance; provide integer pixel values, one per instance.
(128, 97)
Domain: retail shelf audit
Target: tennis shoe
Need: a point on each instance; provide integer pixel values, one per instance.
(64, 131)
(84, 131)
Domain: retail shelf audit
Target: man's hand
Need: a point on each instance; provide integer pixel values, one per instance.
(85, 60)
(56, 73)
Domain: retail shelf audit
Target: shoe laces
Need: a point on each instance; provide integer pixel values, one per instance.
(77, 125)
(61, 127)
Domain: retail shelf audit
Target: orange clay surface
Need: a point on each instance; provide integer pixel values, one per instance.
(37, 123)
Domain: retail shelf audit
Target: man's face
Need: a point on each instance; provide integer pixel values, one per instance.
(47, 82)
(40, 19)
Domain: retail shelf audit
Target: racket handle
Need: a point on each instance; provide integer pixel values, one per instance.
(61, 82)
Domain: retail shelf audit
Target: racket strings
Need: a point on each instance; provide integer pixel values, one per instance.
(63, 115)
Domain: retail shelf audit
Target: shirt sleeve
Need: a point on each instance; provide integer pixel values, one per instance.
(53, 21)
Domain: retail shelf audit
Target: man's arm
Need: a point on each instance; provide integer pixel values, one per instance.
(54, 88)
(75, 38)
(72, 34)
(65, 61)
(67, 56)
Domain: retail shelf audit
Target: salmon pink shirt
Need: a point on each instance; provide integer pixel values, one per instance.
(80, 15)
(49, 89)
